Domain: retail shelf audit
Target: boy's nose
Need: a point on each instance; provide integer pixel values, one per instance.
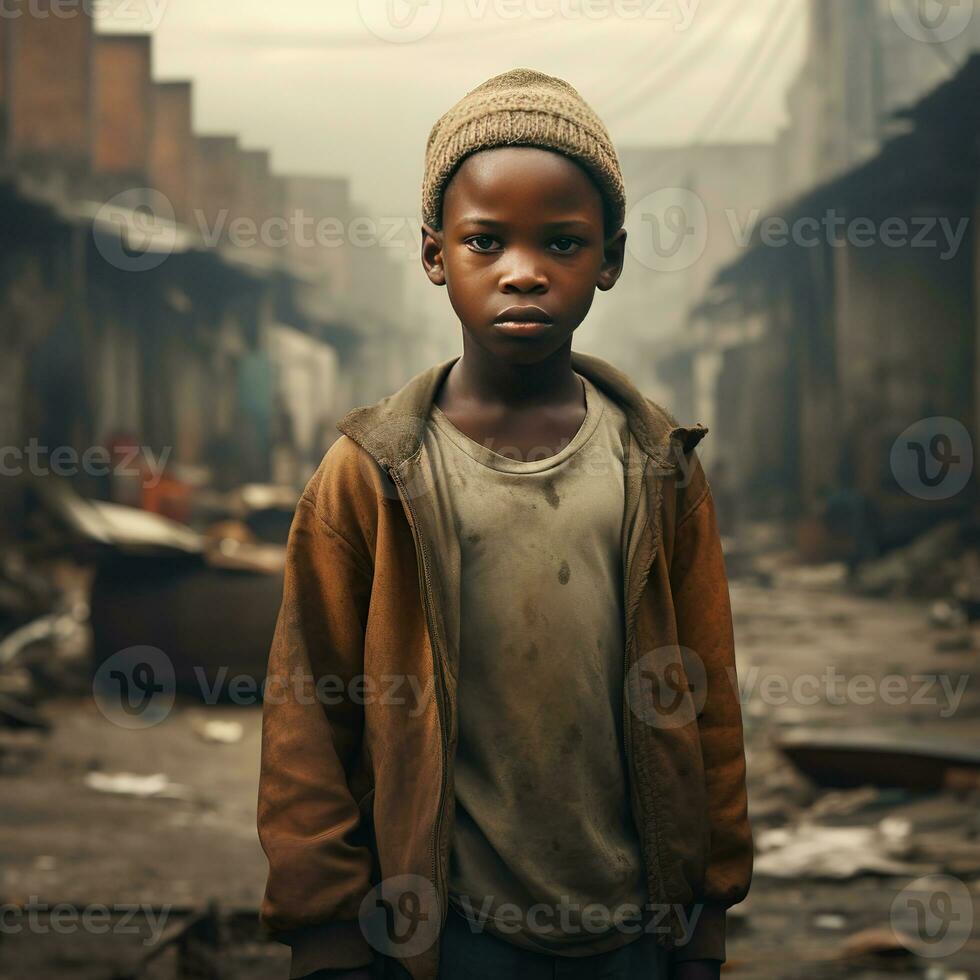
(523, 276)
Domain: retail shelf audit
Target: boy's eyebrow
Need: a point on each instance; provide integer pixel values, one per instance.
(476, 220)
(492, 223)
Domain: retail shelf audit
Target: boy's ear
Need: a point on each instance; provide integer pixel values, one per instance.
(613, 256)
(432, 255)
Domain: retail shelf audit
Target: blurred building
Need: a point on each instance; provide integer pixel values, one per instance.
(865, 60)
(863, 323)
(165, 288)
(808, 360)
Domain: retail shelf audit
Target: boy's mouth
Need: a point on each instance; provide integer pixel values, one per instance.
(523, 320)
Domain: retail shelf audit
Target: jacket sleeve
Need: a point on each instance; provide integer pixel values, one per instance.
(308, 819)
(704, 625)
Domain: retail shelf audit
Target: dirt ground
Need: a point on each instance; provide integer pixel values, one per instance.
(63, 841)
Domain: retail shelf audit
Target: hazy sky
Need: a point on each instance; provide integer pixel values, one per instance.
(346, 86)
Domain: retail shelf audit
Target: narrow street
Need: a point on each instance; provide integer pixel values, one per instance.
(800, 926)
(194, 840)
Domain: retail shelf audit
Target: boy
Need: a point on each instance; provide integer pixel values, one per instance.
(515, 748)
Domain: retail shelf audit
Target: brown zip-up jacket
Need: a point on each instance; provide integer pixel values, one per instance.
(356, 780)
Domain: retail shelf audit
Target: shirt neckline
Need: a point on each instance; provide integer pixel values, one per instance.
(482, 454)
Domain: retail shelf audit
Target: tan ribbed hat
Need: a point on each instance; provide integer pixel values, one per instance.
(521, 107)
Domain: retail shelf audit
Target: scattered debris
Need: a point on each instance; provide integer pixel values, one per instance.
(24, 594)
(847, 803)
(872, 943)
(828, 576)
(130, 784)
(956, 643)
(857, 757)
(267, 510)
(16, 714)
(922, 567)
(209, 604)
(96, 525)
(813, 851)
(226, 732)
(947, 615)
(829, 921)
(52, 630)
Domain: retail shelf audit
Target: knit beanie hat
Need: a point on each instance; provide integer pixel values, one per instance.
(521, 107)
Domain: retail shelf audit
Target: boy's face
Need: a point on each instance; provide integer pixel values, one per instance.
(521, 227)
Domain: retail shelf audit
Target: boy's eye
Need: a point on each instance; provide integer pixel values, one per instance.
(482, 243)
(566, 246)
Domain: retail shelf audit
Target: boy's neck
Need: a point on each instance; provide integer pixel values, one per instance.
(479, 377)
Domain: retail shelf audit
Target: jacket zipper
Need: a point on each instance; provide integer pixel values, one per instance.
(423, 568)
(627, 719)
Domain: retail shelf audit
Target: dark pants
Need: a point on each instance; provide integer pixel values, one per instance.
(468, 955)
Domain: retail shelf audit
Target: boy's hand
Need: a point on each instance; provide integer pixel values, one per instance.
(696, 970)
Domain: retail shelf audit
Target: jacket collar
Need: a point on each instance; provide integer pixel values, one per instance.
(391, 430)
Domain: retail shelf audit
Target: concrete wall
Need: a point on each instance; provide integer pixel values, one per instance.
(215, 182)
(122, 105)
(49, 86)
(905, 343)
(171, 148)
(756, 436)
(259, 192)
